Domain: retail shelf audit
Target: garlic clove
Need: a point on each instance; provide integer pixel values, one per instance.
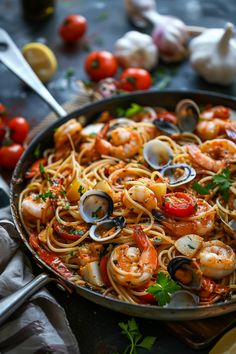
(213, 55)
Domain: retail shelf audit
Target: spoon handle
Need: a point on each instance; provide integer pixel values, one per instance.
(12, 58)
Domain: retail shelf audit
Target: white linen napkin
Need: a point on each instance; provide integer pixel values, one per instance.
(40, 325)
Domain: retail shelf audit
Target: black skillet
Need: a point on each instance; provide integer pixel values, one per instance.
(167, 99)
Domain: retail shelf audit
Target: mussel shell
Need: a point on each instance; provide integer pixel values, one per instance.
(188, 175)
(187, 112)
(95, 231)
(157, 154)
(183, 298)
(185, 264)
(166, 127)
(95, 206)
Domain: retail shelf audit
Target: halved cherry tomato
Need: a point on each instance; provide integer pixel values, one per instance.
(10, 154)
(35, 168)
(103, 269)
(100, 64)
(19, 128)
(167, 116)
(73, 28)
(133, 79)
(147, 298)
(179, 204)
(2, 130)
(66, 232)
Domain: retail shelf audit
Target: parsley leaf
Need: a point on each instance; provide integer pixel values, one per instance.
(46, 195)
(37, 151)
(95, 213)
(81, 190)
(131, 331)
(220, 180)
(134, 109)
(41, 168)
(163, 288)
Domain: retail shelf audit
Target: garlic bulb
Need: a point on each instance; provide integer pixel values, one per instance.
(170, 35)
(213, 55)
(136, 8)
(136, 50)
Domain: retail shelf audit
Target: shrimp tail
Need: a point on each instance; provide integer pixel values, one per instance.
(140, 237)
(101, 145)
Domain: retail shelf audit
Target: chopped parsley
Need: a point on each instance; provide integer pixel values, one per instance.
(95, 213)
(37, 151)
(77, 232)
(130, 111)
(220, 180)
(46, 195)
(81, 190)
(41, 168)
(163, 288)
(131, 331)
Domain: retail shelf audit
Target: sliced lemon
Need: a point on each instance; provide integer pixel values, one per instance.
(41, 59)
(227, 344)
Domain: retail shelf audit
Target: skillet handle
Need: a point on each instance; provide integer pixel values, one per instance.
(11, 303)
(12, 58)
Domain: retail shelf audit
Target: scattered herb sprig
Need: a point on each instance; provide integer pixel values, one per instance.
(130, 111)
(220, 180)
(46, 195)
(163, 288)
(131, 331)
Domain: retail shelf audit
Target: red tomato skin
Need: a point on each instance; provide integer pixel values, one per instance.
(2, 130)
(103, 269)
(100, 65)
(134, 79)
(147, 299)
(167, 116)
(3, 110)
(19, 128)
(184, 209)
(9, 155)
(73, 28)
(34, 168)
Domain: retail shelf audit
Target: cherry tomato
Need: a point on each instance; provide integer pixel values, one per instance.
(73, 28)
(179, 204)
(147, 298)
(133, 79)
(2, 130)
(35, 168)
(19, 128)
(65, 232)
(3, 109)
(100, 64)
(10, 154)
(103, 269)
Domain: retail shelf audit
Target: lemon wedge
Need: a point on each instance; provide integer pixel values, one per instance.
(227, 344)
(42, 60)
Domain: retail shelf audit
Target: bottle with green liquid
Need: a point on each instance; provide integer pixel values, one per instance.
(37, 10)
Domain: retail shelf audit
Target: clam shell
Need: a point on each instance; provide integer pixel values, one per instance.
(187, 112)
(188, 175)
(157, 154)
(166, 127)
(96, 231)
(95, 206)
(183, 298)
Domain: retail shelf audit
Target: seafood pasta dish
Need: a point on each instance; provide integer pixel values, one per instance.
(139, 206)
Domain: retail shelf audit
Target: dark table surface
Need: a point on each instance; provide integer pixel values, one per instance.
(96, 328)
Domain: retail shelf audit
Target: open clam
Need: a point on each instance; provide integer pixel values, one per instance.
(166, 127)
(183, 298)
(185, 272)
(178, 174)
(107, 229)
(157, 154)
(95, 206)
(187, 112)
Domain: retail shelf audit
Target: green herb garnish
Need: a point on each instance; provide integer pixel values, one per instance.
(81, 190)
(131, 331)
(41, 168)
(95, 213)
(220, 180)
(134, 109)
(46, 195)
(37, 151)
(77, 232)
(163, 288)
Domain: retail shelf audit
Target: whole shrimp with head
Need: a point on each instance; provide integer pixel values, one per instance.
(213, 155)
(134, 266)
(123, 143)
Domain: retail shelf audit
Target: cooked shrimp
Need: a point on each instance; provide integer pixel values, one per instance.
(141, 195)
(125, 142)
(89, 252)
(71, 129)
(213, 154)
(33, 209)
(200, 226)
(216, 259)
(134, 266)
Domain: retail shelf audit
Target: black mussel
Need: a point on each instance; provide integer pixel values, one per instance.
(185, 272)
